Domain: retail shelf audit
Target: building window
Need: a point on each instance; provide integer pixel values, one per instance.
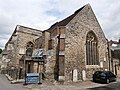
(91, 49)
(29, 45)
(51, 44)
(62, 44)
(29, 49)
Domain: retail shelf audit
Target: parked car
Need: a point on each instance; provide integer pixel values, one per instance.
(104, 77)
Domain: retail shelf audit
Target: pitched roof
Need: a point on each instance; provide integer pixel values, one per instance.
(65, 21)
(9, 41)
(28, 28)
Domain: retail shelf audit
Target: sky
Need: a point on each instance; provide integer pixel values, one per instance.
(41, 14)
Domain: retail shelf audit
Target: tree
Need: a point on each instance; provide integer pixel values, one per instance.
(0, 50)
(116, 55)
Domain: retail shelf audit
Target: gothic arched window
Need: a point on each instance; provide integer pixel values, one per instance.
(29, 49)
(29, 45)
(91, 49)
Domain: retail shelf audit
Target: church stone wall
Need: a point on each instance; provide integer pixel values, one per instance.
(19, 39)
(75, 44)
(24, 36)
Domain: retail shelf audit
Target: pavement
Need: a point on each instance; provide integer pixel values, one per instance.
(14, 81)
(53, 85)
(8, 77)
(6, 85)
(50, 85)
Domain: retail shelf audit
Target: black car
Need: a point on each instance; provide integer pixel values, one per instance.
(104, 77)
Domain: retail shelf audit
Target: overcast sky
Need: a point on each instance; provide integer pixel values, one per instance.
(41, 14)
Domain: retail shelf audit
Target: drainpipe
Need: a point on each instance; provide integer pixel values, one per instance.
(109, 54)
(61, 60)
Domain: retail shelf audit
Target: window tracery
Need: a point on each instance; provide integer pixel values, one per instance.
(91, 49)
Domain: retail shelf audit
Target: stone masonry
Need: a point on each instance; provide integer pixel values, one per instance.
(76, 28)
(75, 47)
(16, 45)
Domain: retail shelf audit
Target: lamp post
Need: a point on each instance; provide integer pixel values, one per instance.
(115, 69)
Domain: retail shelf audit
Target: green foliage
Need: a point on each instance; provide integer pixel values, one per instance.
(116, 54)
(0, 50)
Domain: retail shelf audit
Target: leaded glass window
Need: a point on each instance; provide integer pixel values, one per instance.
(91, 49)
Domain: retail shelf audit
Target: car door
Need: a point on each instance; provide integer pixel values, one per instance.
(111, 76)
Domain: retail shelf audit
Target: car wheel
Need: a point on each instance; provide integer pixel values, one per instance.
(107, 81)
(93, 80)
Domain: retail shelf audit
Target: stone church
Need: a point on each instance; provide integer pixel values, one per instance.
(15, 49)
(74, 48)
(77, 46)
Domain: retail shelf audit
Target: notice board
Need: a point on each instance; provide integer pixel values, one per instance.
(32, 78)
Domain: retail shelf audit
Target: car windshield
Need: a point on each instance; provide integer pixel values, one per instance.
(102, 74)
(110, 74)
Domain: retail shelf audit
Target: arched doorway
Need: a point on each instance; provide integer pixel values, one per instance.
(29, 62)
(92, 49)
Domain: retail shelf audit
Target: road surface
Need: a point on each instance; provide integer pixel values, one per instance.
(5, 84)
(111, 86)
